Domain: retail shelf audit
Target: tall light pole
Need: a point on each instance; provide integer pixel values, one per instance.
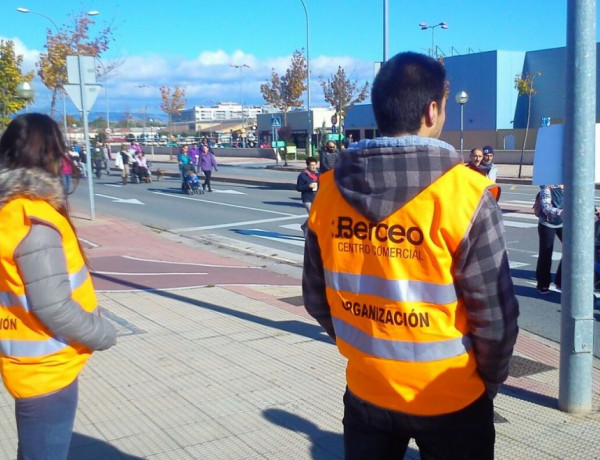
(461, 98)
(28, 11)
(424, 26)
(385, 31)
(309, 117)
(62, 92)
(25, 91)
(241, 67)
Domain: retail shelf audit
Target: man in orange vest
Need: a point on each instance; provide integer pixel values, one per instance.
(405, 267)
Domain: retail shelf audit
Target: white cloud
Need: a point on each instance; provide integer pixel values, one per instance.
(207, 79)
(30, 57)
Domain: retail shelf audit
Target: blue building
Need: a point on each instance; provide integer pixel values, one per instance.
(495, 114)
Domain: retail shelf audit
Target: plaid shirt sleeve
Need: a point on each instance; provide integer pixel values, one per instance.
(313, 285)
(482, 277)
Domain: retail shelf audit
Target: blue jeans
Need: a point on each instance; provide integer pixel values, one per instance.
(371, 432)
(45, 424)
(67, 182)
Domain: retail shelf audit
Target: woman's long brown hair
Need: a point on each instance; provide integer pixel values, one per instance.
(34, 140)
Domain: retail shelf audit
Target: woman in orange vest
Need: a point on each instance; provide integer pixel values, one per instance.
(49, 318)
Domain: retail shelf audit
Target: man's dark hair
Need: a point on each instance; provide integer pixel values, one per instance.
(403, 89)
(310, 160)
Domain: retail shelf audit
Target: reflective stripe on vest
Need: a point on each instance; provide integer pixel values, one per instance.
(401, 350)
(31, 349)
(8, 299)
(395, 290)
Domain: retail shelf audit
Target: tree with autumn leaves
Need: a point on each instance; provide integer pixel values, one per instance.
(525, 87)
(10, 77)
(73, 39)
(342, 93)
(173, 101)
(284, 92)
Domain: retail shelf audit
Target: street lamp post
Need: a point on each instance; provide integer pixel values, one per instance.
(62, 92)
(241, 67)
(309, 113)
(151, 139)
(25, 91)
(424, 26)
(462, 97)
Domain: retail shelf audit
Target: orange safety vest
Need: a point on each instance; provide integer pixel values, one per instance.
(390, 287)
(34, 361)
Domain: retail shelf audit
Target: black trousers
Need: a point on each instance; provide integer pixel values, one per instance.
(374, 433)
(207, 175)
(544, 263)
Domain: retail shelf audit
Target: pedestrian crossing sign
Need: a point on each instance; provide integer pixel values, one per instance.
(275, 122)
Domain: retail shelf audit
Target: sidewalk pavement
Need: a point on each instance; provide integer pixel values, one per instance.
(240, 371)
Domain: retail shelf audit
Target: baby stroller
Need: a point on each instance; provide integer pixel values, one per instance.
(191, 181)
(140, 174)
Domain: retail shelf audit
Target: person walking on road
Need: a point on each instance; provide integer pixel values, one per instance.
(405, 267)
(487, 163)
(50, 318)
(183, 160)
(126, 161)
(550, 224)
(475, 158)
(207, 163)
(327, 157)
(307, 184)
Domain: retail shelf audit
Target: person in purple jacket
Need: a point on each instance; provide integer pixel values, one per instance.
(207, 163)
(194, 153)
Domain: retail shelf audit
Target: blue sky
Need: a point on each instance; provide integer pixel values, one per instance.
(193, 43)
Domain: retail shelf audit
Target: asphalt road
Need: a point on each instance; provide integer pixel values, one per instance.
(266, 221)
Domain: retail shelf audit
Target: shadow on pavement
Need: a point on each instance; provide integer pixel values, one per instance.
(88, 448)
(530, 396)
(325, 444)
(310, 331)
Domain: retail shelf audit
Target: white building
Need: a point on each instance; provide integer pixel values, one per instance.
(224, 111)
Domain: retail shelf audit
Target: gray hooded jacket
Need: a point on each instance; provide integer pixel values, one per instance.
(379, 176)
(41, 262)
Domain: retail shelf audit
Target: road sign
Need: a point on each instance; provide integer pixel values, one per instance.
(108, 131)
(88, 69)
(91, 93)
(275, 122)
(278, 144)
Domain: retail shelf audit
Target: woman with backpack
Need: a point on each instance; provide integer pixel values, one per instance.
(549, 224)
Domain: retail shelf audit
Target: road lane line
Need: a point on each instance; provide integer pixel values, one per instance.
(235, 224)
(146, 273)
(181, 197)
(187, 263)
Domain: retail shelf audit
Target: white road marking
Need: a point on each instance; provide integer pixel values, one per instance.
(235, 224)
(296, 227)
(516, 215)
(184, 197)
(186, 263)
(229, 192)
(146, 273)
(513, 264)
(94, 245)
(121, 200)
(510, 223)
(294, 241)
(555, 256)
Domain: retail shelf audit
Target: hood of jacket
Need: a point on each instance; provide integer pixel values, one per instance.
(379, 176)
(34, 184)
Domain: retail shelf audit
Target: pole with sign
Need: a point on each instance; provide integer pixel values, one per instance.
(83, 91)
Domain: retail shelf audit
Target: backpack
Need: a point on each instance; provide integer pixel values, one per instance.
(537, 205)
